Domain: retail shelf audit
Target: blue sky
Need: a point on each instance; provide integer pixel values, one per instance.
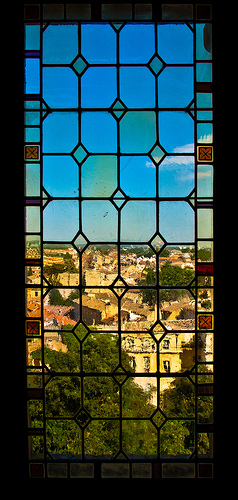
(97, 130)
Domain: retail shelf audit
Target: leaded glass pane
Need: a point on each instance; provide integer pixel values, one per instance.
(118, 183)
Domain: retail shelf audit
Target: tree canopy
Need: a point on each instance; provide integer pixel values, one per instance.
(169, 275)
(76, 404)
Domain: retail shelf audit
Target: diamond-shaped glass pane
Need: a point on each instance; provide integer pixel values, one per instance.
(82, 418)
(118, 105)
(79, 65)
(157, 154)
(120, 375)
(157, 243)
(80, 154)
(156, 65)
(158, 418)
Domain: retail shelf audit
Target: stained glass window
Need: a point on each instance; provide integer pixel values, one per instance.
(119, 314)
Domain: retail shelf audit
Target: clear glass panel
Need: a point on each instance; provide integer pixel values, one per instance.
(60, 132)
(205, 181)
(33, 302)
(98, 87)
(204, 72)
(99, 220)
(32, 179)
(175, 87)
(60, 43)
(205, 223)
(137, 87)
(146, 445)
(32, 118)
(78, 11)
(99, 132)
(108, 404)
(99, 176)
(137, 132)
(138, 221)
(205, 251)
(116, 12)
(32, 76)
(53, 11)
(99, 265)
(94, 346)
(32, 246)
(32, 219)
(204, 100)
(32, 37)
(139, 308)
(61, 264)
(61, 308)
(204, 41)
(100, 309)
(143, 11)
(98, 43)
(175, 43)
(176, 221)
(137, 43)
(60, 87)
(32, 134)
(61, 220)
(33, 275)
(177, 11)
(133, 260)
(176, 131)
(204, 132)
(102, 438)
(137, 176)
(60, 176)
(176, 176)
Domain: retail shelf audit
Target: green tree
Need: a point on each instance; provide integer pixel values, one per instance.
(52, 272)
(67, 401)
(148, 278)
(55, 298)
(204, 254)
(170, 275)
(178, 401)
(100, 397)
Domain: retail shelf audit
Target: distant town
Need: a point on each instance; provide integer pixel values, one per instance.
(142, 317)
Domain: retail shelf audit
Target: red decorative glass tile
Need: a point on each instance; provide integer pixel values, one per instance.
(33, 262)
(205, 389)
(157, 471)
(205, 153)
(205, 470)
(33, 327)
(204, 12)
(32, 12)
(36, 470)
(203, 87)
(205, 268)
(31, 152)
(205, 321)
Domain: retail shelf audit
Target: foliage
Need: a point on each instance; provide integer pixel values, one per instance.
(56, 299)
(69, 413)
(169, 275)
(148, 278)
(204, 254)
(52, 271)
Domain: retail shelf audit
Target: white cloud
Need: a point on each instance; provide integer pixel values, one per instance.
(205, 138)
(187, 148)
(149, 164)
(174, 162)
(201, 175)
